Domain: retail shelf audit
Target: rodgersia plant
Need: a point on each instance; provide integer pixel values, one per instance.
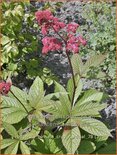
(55, 123)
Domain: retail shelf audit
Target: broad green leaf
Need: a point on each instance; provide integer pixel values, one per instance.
(10, 102)
(78, 90)
(87, 109)
(70, 88)
(89, 96)
(36, 90)
(6, 142)
(12, 149)
(65, 103)
(50, 143)
(10, 129)
(52, 95)
(109, 149)
(71, 139)
(34, 102)
(92, 126)
(7, 111)
(63, 94)
(86, 147)
(11, 115)
(30, 135)
(24, 148)
(59, 113)
(77, 64)
(59, 87)
(44, 104)
(93, 61)
(39, 146)
(21, 95)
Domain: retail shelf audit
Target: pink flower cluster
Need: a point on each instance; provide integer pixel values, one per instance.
(48, 22)
(74, 42)
(51, 44)
(5, 87)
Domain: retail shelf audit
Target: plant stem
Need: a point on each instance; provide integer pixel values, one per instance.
(73, 76)
(19, 101)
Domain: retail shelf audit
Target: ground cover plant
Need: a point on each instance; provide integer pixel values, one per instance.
(66, 119)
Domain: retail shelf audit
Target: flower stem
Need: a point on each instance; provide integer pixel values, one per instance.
(73, 77)
(69, 60)
(19, 101)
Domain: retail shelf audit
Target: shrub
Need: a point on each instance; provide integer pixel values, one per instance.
(37, 122)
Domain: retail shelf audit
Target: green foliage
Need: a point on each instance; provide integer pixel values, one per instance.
(99, 27)
(19, 104)
(82, 69)
(35, 122)
(18, 43)
(34, 106)
(110, 148)
(10, 129)
(12, 145)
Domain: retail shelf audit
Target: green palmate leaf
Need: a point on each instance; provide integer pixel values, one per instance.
(87, 109)
(24, 148)
(21, 95)
(10, 129)
(86, 147)
(12, 149)
(77, 64)
(12, 115)
(93, 61)
(71, 139)
(90, 95)
(110, 149)
(36, 91)
(92, 126)
(6, 142)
